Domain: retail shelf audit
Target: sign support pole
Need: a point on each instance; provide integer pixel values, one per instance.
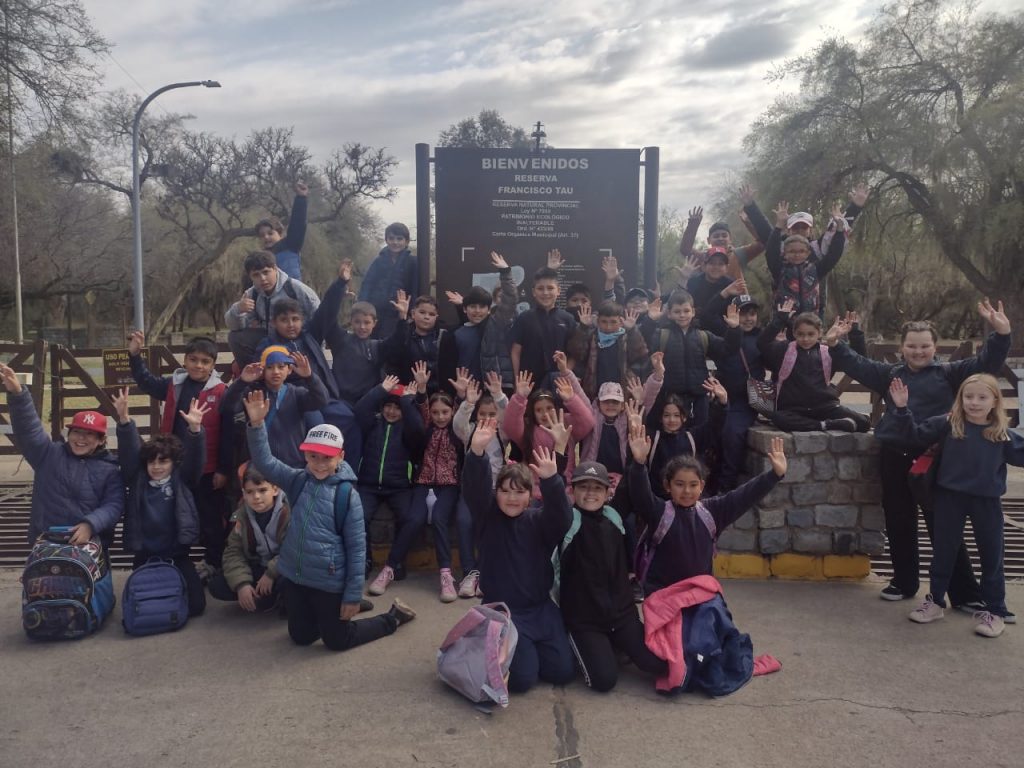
(650, 265)
(423, 216)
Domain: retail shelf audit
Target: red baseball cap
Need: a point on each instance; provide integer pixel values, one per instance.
(91, 421)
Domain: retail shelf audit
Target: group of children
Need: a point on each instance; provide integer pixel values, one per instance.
(560, 441)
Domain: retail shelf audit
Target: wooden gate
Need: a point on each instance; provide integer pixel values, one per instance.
(28, 359)
(76, 384)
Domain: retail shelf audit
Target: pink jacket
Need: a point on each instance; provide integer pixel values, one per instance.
(663, 623)
(578, 418)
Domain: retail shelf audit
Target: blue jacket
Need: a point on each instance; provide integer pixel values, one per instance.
(315, 554)
(67, 490)
(184, 478)
(719, 658)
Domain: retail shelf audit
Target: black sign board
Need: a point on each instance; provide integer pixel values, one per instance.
(584, 202)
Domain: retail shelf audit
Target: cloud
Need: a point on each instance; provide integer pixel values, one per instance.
(738, 47)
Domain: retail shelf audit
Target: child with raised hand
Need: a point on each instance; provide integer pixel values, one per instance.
(608, 443)
(595, 593)
(250, 573)
(481, 342)
(286, 247)
(197, 378)
(419, 339)
(287, 402)
(477, 405)
(324, 565)
(606, 348)
(932, 386)
(672, 438)
(687, 548)
(160, 518)
(687, 349)
(393, 272)
(805, 400)
(975, 447)
(439, 455)
(76, 481)
(385, 472)
(516, 539)
(531, 412)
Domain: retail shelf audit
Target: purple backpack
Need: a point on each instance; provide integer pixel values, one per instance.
(475, 657)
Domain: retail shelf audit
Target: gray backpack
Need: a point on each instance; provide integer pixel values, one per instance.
(475, 657)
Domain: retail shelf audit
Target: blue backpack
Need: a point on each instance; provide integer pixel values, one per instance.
(155, 599)
(67, 590)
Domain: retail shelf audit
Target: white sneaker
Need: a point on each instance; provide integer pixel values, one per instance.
(380, 584)
(468, 587)
(927, 612)
(989, 625)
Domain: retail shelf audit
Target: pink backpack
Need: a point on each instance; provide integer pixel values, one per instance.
(475, 657)
(789, 360)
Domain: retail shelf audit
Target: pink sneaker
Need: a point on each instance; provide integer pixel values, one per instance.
(448, 593)
(380, 584)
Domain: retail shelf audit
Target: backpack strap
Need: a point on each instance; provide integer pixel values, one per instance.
(693, 443)
(788, 361)
(290, 289)
(826, 363)
(708, 519)
(668, 516)
(662, 340)
(341, 504)
(705, 341)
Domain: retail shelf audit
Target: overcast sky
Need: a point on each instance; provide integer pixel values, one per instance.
(689, 77)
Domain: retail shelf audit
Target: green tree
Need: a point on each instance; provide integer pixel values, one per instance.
(488, 130)
(928, 107)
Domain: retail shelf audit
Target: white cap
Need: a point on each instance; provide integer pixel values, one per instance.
(801, 217)
(325, 439)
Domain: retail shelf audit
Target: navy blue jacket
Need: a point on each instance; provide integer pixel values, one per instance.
(184, 527)
(355, 362)
(686, 364)
(515, 552)
(932, 389)
(386, 463)
(384, 278)
(688, 549)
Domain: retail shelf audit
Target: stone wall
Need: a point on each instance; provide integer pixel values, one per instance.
(823, 520)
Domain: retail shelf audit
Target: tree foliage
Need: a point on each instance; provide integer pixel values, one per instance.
(928, 108)
(49, 48)
(488, 130)
(211, 190)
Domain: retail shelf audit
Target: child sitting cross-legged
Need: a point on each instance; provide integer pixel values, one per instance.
(160, 518)
(323, 564)
(805, 400)
(516, 540)
(250, 572)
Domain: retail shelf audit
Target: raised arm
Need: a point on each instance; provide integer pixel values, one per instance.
(296, 234)
(276, 471)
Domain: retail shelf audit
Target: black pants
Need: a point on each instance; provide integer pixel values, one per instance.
(596, 653)
(809, 419)
(193, 584)
(315, 615)
(213, 508)
(543, 651)
(952, 509)
(901, 530)
(397, 501)
(219, 589)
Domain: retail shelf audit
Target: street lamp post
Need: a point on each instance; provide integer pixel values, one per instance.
(139, 321)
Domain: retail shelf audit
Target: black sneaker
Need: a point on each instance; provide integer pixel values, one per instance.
(365, 605)
(1010, 617)
(369, 567)
(971, 607)
(400, 573)
(401, 612)
(893, 593)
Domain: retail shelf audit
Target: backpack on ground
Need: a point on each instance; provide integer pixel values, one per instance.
(475, 657)
(155, 599)
(67, 589)
(649, 540)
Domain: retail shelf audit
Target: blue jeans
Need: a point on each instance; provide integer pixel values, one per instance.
(543, 651)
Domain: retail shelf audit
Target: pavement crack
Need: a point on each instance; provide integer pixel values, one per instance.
(566, 735)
